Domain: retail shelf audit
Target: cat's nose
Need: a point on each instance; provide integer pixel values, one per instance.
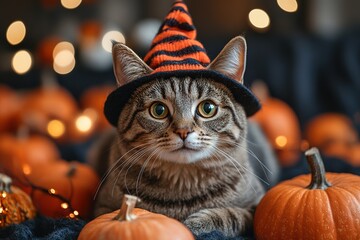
(183, 132)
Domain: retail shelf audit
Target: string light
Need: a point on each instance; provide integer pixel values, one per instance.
(16, 32)
(288, 5)
(26, 169)
(259, 18)
(21, 62)
(70, 4)
(52, 191)
(64, 61)
(64, 205)
(109, 36)
(83, 123)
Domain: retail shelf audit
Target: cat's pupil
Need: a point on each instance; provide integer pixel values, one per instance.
(159, 109)
(208, 107)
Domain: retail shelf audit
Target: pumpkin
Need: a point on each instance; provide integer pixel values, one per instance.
(15, 205)
(94, 98)
(10, 105)
(130, 223)
(46, 104)
(62, 187)
(19, 154)
(354, 155)
(333, 133)
(313, 206)
(280, 125)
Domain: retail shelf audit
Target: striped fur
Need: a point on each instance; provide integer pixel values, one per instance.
(211, 188)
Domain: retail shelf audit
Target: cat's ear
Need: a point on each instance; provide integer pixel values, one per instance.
(127, 65)
(231, 61)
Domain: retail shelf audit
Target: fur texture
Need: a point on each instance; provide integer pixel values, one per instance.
(181, 147)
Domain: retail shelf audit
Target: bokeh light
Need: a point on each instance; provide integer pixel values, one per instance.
(281, 141)
(61, 46)
(84, 123)
(288, 5)
(16, 32)
(259, 18)
(70, 4)
(56, 128)
(109, 36)
(64, 61)
(21, 62)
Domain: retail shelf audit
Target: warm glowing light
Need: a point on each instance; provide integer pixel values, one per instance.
(21, 62)
(16, 32)
(70, 4)
(4, 194)
(52, 191)
(76, 213)
(26, 169)
(259, 18)
(83, 123)
(109, 36)
(71, 215)
(56, 128)
(64, 61)
(64, 205)
(288, 5)
(63, 46)
(1, 210)
(281, 141)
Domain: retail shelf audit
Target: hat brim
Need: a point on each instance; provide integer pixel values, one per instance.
(117, 99)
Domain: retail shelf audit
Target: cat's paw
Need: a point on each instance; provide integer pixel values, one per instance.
(203, 221)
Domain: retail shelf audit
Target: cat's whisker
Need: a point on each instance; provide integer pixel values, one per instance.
(243, 167)
(144, 167)
(114, 166)
(132, 160)
(263, 166)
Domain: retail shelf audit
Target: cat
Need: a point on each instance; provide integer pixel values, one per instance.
(180, 146)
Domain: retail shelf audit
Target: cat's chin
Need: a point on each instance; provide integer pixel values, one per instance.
(184, 155)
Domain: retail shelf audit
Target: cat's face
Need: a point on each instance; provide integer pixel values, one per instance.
(183, 120)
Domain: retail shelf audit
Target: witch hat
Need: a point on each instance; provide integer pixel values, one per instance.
(175, 52)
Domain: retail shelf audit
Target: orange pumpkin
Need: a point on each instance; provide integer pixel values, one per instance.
(15, 205)
(130, 223)
(73, 181)
(332, 133)
(94, 98)
(313, 206)
(45, 104)
(10, 105)
(280, 125)
(18, 154)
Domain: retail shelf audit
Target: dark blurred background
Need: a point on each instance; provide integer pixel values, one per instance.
(307, 52)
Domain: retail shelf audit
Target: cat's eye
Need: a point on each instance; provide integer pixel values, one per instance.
(159, 110)
(207, 109)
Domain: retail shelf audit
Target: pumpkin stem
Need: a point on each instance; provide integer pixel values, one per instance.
(5, 183)
(127, 207)
(317, 169)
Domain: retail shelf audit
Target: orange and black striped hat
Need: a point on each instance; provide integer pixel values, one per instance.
(175, 52)
(175, 46)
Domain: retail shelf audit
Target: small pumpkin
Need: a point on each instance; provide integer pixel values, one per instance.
(15, 205)
(280, 125)
(20, 153)
(75, 182)
(333, 133)
(130, 223)
(50, 102)
(327, 208)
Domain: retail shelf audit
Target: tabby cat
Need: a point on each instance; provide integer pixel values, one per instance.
(181, 147)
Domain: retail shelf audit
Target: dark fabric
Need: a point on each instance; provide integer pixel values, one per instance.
(42, 228)
(119, 97)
